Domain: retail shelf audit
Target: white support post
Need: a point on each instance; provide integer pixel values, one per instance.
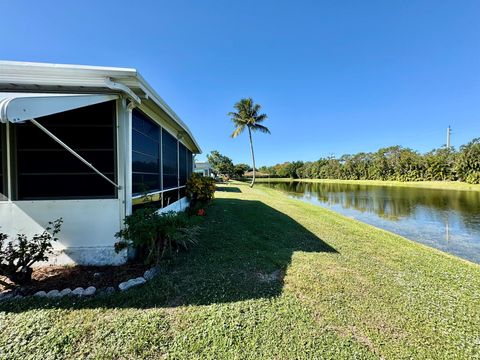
(161, 166)
(9, 163)
(121, 120)
(178, 168)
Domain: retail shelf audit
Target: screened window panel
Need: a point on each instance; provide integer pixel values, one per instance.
(145, 164)
(169, 197)
(183, 192)
(149, 204)
(59, 186)
(152, 130)
(170, 161)
(45, 170)
(84, 137)
(145, 145)
(3, 184)
(145, 154)
(144, 125)
(182, 155)
(33, 162)
(143, 183)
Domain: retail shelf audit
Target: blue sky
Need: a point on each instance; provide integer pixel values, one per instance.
(334, 77)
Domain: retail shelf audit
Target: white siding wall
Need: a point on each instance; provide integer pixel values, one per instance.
(87, 235)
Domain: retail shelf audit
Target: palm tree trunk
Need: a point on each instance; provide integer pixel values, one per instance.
(253, 155)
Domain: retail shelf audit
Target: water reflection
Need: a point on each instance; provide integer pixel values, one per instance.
(445, 219)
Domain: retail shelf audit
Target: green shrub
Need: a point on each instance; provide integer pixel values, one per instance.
(17, 256)
(155, 235)
(473, 177)
(200, 189)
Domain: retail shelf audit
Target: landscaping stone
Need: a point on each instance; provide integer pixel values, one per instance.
(53, 294)
(40, 294)
(89, 291)
(78, 291)
(131, 283)
(66, 292)
(124, 286)
(151, 273)
(20, 293)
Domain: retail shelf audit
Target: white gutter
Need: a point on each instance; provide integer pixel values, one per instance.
(118, 86)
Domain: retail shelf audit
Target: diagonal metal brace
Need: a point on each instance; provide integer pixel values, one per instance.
(71, 151)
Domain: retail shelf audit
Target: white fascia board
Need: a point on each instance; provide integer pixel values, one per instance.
(32, 68)
(77, 77)
(18, 107)
(59, 75)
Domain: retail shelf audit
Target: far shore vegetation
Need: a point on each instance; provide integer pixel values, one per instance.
(394, 163)
(439, 185)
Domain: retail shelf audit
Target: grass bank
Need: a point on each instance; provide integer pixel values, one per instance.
(441, 185)
(271, 277)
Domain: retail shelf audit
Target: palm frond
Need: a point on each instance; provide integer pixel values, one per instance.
(261, 118)
(247, 114)
(261, 128)
(238, 131)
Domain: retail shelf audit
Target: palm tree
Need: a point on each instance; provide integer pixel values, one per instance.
(247, 116)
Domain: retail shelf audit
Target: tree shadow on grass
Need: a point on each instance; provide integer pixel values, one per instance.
(232, 189)
(244, 251)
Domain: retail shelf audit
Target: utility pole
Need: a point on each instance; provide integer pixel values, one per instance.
(449, 132)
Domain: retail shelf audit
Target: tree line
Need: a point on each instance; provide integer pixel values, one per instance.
(391, 163)
(222, 165)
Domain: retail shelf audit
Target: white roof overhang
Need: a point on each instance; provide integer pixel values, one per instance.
(60, 78)
(19, 107)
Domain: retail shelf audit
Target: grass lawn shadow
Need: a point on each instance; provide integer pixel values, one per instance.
(244, 251)
(232, 189)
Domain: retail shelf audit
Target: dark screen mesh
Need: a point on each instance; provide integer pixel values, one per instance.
(170, 161)
(145, 154)
(45, 170)
(169, 197)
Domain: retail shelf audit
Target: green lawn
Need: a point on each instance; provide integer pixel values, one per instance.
(440, 185)
(272, 278)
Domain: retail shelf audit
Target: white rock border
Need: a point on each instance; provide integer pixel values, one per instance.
(89, 291)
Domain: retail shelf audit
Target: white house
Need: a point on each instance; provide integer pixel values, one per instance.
(86, 144)
(203, 168)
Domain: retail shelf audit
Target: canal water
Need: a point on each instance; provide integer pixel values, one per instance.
(448, 220)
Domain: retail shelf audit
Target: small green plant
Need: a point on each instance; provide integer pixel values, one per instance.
(155, 235)
(200, 189)
(17, 256)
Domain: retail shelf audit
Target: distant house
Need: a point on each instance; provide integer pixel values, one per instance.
(86, 144)
(203, 168)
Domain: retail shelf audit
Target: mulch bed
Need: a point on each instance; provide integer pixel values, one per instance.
(60, 277)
